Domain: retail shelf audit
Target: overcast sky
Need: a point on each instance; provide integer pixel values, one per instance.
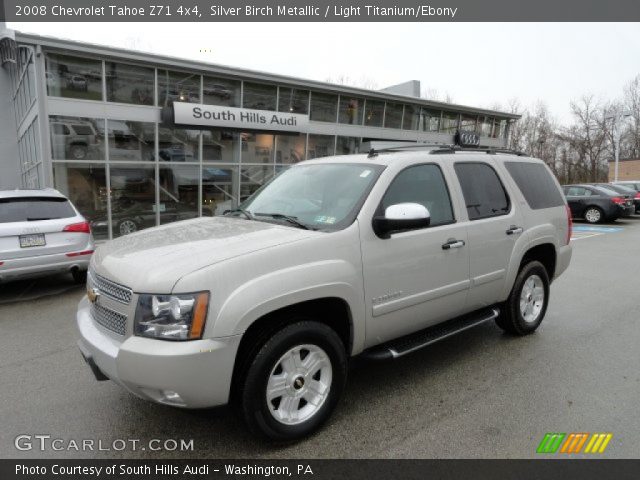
(477, 64)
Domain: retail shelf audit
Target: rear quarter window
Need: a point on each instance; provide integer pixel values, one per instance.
(536, 184)
(30, 209)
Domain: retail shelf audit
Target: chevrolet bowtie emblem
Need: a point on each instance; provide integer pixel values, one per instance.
(93, 294)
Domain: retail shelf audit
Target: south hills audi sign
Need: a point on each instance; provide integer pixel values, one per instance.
(237, 118)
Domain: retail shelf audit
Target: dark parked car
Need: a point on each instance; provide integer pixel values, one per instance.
(596, 204)
(635, 186)
(627, 191)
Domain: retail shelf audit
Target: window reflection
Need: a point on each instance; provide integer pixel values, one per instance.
(178, 145)
(257, 148)
(177, 87)
(430, 120)
(76, 138)
(347, 145)
(323, 107)
(131, 140)
(221, 91)
(290, 148)
(133, 195)
(220, 146)
(321, 146)
(73, 77)
(449, 122)
(85, 185)
(374, 113)
(486, 126)
(129, 83)
(252, 178)
(259, 97)
(393, 115)
(411, 117)
(293, 100)
(351, 110)
(218, 190)
(178, 192)
(468, 123)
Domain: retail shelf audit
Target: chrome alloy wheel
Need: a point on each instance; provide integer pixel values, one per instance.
(127, 227)
(593, 215)
(299, 384)
(532, 299)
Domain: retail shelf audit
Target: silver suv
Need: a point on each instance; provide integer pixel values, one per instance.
(375, 255)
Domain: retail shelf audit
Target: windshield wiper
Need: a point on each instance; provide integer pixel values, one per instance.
(289, 218)
(246, 213)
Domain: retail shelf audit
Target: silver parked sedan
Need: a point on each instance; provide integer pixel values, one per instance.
(41, 232)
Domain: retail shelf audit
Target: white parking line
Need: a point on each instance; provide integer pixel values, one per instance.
(580, 236)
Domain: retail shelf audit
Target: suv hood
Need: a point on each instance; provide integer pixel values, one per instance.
(154, 260)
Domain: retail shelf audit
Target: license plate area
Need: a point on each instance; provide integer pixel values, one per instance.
(32, 240)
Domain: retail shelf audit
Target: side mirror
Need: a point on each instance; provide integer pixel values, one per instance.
(401, 217)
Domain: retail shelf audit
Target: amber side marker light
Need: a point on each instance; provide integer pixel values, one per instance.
(199, 316)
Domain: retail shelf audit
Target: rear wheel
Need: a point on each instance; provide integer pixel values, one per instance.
(526, 306)
(593, 215)
(294, 381)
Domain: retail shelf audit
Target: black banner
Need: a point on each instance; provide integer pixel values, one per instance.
(320, 11)
(320, 469)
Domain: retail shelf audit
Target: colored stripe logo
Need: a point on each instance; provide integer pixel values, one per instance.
(574, 442)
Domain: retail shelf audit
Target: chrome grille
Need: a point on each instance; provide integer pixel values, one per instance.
(114, 321)
(110, 289)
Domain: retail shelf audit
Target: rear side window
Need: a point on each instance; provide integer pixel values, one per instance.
(29, 209)
(484, 194)
(536, 184)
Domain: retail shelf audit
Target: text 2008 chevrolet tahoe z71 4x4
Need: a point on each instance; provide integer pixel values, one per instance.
(377, 254)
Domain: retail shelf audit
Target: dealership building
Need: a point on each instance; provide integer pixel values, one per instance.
(137, 139)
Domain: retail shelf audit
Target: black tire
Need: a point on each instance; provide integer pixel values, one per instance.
(596, 217)
(79, 276)
(511, 319)
(254, 407)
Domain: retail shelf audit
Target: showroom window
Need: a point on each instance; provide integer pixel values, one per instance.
(290, 148)
(321, 146)
(132, 141)
(220, 146)
(178, 188)
(293, 100)
(449, 122)
(85, 185)
(218, 189)
(129, 83)
(351, 110)
(430, 120)
(486, 126)
(221, 91)
(469, 123)
(374, 113)
(347, 145)
(73, 77)
(258, 96)
(133, 198)
(393, 115)
(324, 107)
(257, 148)
(411, 117)
(177, 87)
(75, 138)
(178, 145)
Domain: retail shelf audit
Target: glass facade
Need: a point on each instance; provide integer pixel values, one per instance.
(125, 174)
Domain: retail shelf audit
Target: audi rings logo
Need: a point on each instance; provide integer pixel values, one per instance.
(467, 139)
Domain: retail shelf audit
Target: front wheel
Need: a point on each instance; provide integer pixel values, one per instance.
(593, 215)
(294, 382)
(526, 306)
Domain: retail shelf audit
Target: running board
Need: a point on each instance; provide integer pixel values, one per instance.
(415, 341)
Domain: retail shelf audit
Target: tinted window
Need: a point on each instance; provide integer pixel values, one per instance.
(606, 191)
(577, 192)
(423, 184)
(484, 194)
(34, 208)
(536, 184)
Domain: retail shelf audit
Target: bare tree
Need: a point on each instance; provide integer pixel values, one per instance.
(630, 141)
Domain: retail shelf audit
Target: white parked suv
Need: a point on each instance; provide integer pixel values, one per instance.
(41, 232)
(375, 255)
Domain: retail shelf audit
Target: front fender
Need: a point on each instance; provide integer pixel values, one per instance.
(281, 288)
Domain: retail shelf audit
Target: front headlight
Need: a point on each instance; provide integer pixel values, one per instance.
(171, 317)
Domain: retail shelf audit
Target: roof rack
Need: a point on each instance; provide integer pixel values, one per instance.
(438, 148)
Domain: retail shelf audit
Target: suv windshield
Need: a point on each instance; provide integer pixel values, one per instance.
(323, 196)
(29, 209)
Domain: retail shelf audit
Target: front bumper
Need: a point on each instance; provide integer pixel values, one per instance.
(189, 374)
(28, 267)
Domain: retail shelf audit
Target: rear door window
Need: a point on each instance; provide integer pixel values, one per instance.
(484, 194)
(29, 209)
(536, 184)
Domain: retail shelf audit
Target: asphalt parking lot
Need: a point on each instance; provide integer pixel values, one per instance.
(481, 394)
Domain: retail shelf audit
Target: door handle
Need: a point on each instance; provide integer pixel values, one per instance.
(453, 243)
(513, 230)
